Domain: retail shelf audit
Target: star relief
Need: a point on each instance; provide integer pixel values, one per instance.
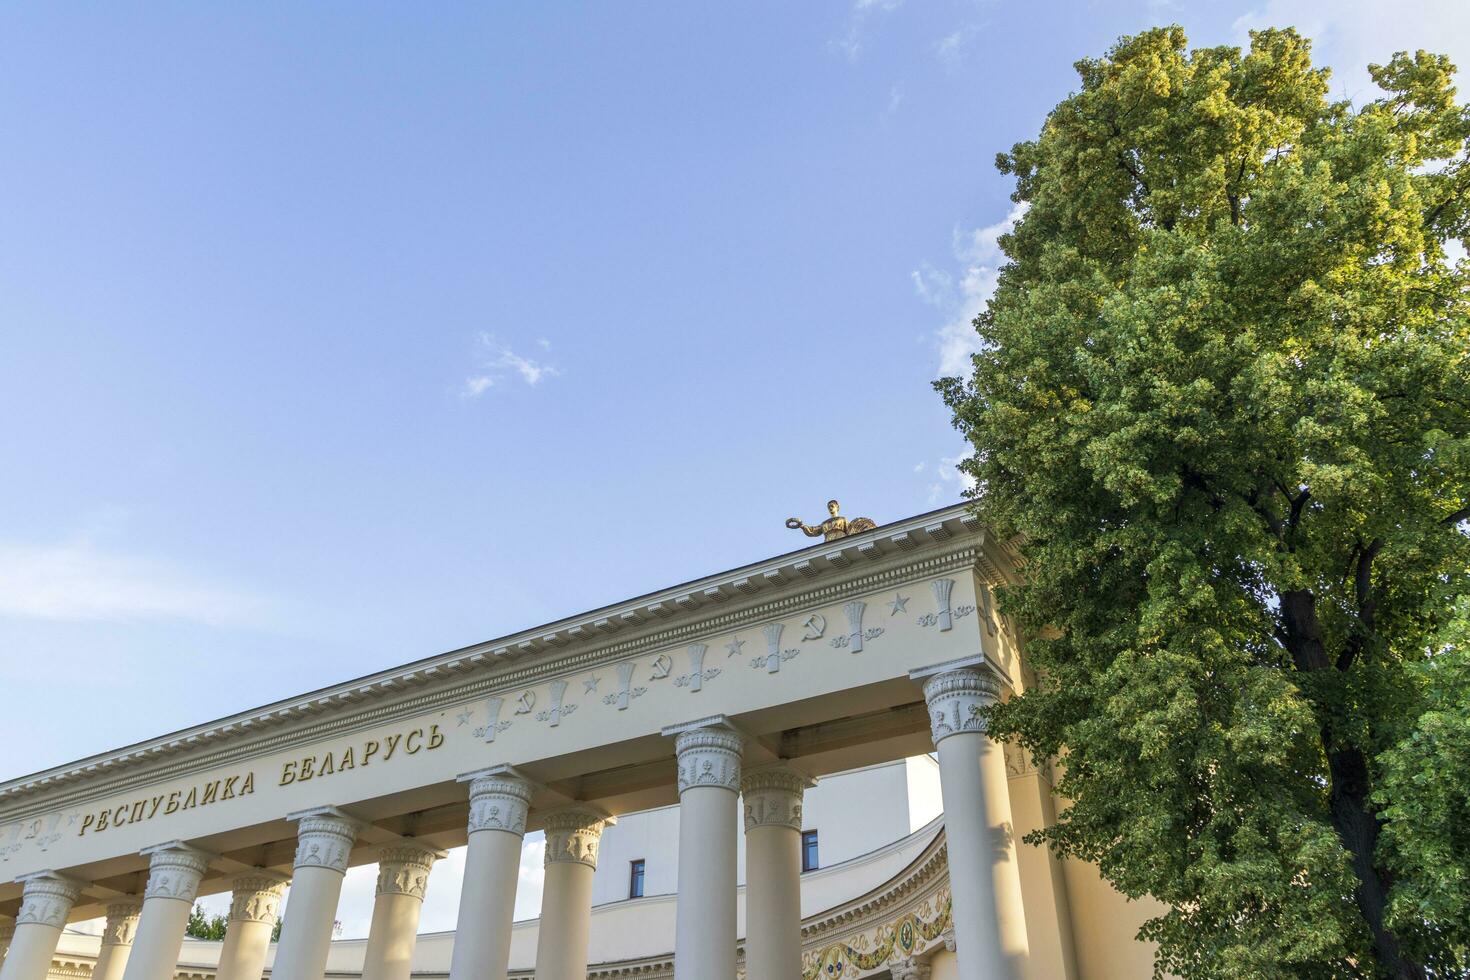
(464, 717)
(899, 603)
(590, 684)
(734, 646)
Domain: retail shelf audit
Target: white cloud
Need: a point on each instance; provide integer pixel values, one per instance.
(961, 297)
(1349, 34)
(75, 580)
(502, 362)
(951, 47)
(951, 483)
(854, 36)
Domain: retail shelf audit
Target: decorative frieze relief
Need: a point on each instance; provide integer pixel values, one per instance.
(554, 714)
(772, 796)
(47, 899)
(324, 839)
(709, 757)
(499, 801)
(957, 700)
(174, 871)
(694, 680)
(573, 834)
(403, 869)
(894, 945)
(774, 654)
(626, 691)
(256, 897)
(122, 923)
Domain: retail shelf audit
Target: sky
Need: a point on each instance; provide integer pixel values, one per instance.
(337, 336)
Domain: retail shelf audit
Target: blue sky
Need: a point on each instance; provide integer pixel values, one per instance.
(335, 336)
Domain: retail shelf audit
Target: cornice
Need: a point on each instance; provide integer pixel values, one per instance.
(927, 544)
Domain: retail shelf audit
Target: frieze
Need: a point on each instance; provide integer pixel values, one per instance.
(308, 767)
(135, 811)
(894, 943)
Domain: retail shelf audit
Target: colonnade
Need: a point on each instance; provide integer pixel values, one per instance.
(144, 935)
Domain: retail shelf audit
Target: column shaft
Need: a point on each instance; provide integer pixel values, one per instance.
(174, 871)
(773, 800)
(403, 877)
(499, 803)
(709, 778)
(572, 837)
(324, 840)
(255, 908)
(45, 904)
(117, 940)
(985, 884)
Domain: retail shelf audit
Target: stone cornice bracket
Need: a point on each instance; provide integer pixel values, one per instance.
(256, 896)
(772, 795)
(403, 868)
(175, 870)
(709, 752)
(500, 799)
(324, 838)
(122, 922)
(47, 899)
(574, 832)
(957, 694)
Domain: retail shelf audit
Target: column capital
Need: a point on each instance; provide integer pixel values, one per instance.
(910, 969)
(500, 799)
(403, 868)
(773, 795)
(957, 695)
(122, 922)
(256, 896)
(47, 898)
(175, 870)
(324, 838)
(709, 753)
(574, 832)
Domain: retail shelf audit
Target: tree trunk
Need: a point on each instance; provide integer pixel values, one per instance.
(1356, 825)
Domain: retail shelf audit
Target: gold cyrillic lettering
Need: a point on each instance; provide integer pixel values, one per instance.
(392, 741)
(288, 773)
(328, 766)
(102, 819)
(86, 822)
(436, 737)
(192, 800)
(229, 793)
(368, 750)
(154, 808)
(116, 820)
(248, 787)
(210, 792)
(408, 742)
(346, 762)
(308, 768)
(173, 801)
(137, 813)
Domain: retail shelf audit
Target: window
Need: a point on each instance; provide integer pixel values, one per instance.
(809, 851)
(635, 879)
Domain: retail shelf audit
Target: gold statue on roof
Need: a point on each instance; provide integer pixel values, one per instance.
(834, 527)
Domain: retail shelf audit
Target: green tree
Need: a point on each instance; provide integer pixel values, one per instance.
(203, 926)
(1222, 405)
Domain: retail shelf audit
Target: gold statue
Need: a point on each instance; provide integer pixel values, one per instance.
(833, 527)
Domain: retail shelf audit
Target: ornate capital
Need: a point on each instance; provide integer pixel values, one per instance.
(573, 834)
(956, 700)
(47, 899)
(910, 969)
(403, 868)
(773, 796)
(499, 802)
(174, 871)
(324, 838)
(257, 897)
(709, 757)
(122, 923)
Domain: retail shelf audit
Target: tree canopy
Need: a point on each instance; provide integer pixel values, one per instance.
(1222, 407)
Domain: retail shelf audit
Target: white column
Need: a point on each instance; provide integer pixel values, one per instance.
(403, 876)
(45, 904)
(499, 802)
(117, 939)
(572, 836)
(772, 797)
(174, 872)
(255, 908)
(985, 885)
(709, 779)
(324, 839)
